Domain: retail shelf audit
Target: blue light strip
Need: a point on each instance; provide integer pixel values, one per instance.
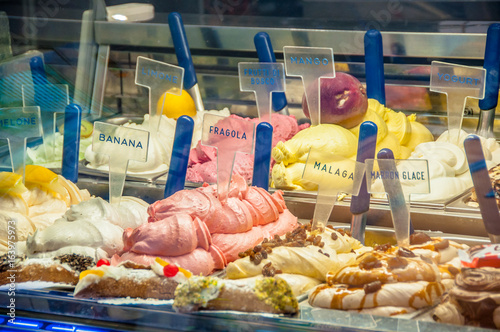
(59, 327)
(33, 324)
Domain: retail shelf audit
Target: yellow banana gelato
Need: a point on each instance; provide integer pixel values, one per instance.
(419, 134)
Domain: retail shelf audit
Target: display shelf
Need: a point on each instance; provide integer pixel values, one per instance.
(62, 303)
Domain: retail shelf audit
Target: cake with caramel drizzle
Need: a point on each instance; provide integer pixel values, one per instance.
(392, 280)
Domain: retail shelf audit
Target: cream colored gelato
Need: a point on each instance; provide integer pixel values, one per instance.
(93, 228)
(37, 156)
(448, 168)
(43, 198)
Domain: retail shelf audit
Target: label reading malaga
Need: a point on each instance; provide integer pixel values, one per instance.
(329, 169)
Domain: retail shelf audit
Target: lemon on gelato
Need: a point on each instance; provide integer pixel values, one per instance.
(173, 105)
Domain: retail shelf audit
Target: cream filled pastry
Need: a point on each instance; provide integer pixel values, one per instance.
(402, 279)
(311, 254)
(474, 299)
(257, 295)
(194, 229)
(94, 227)
(157, 280)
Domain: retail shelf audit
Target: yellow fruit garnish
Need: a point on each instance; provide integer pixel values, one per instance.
(38, 176)
(187, 273)
(99, 273)
(161, 261)
(86, 129)
(11, 184)
(176, 105)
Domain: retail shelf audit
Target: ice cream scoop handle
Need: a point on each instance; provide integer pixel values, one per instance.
(182, 49)
(262, 157)
(482, 184)
(38, 70)
(180, 155)
(71, 145)
(374, 66)
(400, 207)
(266, 54)
(366, 150)
(492, 66)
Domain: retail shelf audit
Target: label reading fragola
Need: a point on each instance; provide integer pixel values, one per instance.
(227, 132)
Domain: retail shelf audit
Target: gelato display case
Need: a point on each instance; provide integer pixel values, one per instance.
(102, 215)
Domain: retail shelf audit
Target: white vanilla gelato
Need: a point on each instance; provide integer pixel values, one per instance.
(94, 226)
(449, 173)
(160, 147)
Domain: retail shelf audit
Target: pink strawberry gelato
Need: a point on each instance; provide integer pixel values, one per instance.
(202, 165)
(195, 230)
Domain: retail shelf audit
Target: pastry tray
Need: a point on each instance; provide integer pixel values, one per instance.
(159, 313)
(62, 303)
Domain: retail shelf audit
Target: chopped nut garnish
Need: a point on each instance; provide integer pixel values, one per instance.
(334, 236)
(404, 252)
(419, 238)
(370, 262)
(426, 259)
(453, 270)
(396, 263)
(442, 245)
(372, 287)
(383, 247)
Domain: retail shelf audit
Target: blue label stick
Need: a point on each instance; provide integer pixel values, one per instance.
(482, 184)
(262, 156)
(374, 66)
(71, 145)
(360, 204)
(180, 155)
(266, 54)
